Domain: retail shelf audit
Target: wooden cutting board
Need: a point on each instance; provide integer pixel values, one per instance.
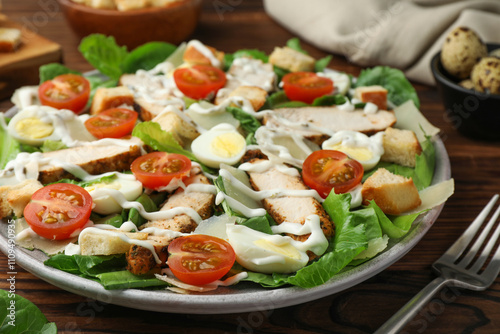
(21, 67)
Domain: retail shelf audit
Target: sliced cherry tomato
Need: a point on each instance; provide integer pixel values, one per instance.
(200, 259)
(326, 169)
(306, 86)
(157, 169)
(199, 81)
(112, 123)
(67, 91)
(56, 211)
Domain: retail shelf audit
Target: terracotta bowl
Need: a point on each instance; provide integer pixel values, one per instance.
(472, 113)
(172, 24)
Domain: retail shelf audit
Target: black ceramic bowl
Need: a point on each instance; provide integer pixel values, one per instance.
(474, 114)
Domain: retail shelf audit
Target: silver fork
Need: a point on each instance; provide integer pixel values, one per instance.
(458, 274)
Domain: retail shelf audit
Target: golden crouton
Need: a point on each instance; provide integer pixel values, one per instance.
(13, 198)
(394, 194)
(92, 243)
(182, 131)
(291, 60)
(400, 147)
(107, 98)
(255, 95)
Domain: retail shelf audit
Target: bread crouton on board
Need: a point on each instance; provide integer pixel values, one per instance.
(394, 194)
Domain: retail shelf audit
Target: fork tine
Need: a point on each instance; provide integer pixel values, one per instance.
(475, 248)
(486, 252)
(454, 252)
(493, 268)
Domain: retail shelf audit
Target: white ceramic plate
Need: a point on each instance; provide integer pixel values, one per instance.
(245, 296)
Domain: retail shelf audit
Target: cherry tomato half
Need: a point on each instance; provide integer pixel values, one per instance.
(56, 211)
(326, 169)
(199, 81)
(306, 86)
(200, 259)
(112, 123)
(155, 170)
(67, 91)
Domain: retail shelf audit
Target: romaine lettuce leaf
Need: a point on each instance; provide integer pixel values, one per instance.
(9, 147)
(399, 88)
(248, 123)
(251, 53)
(124, 279)
(83, 184)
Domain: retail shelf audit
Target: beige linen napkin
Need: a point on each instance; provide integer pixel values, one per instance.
(398, 33)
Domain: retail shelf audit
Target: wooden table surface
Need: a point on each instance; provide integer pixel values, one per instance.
(230, 25)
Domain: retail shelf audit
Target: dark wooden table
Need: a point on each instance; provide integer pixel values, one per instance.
(230, 25)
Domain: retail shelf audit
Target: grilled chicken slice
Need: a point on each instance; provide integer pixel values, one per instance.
(201, 202)
(289, 209)
(140, 260)
(93, 159)
(315, 123)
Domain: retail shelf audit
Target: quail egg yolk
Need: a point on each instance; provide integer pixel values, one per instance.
(227, 145)
(33, 128)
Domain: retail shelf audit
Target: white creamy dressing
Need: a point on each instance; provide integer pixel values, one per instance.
(252, 72)
(266, 138)
(316, 242)
(240, 101)
(25, 96)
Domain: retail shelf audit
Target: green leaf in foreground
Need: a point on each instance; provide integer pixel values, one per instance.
(19, 315)
(399, 88)
(147, 56)
(394, 226)
(104, 54)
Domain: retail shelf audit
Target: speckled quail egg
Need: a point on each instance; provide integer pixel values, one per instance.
(486, 75)
(461, 50)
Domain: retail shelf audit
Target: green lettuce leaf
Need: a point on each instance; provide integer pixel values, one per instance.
(322, 63)
(52, 70)
(399, 88)
(394, 226)
(26, 316)
(329, 100)
(147, 56)
(294, 43)
(148, 205)
(248, 123)
(83, 184)
(152, 135)
(261, 224)
(251, 53)
(9, 147)
(52, 145)
(124, 279)
(104, 54)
